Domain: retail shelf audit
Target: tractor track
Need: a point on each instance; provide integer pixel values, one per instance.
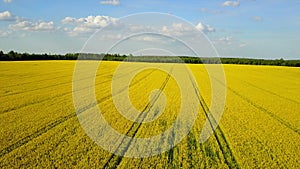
(106, 74)
(192, 145)
(40, 75)
(47, 99)
(41, 131)
(272, 115)
(223, 144)
(58, 71)
(270, 92)
(57, 122)
(45, 87)
(134, 128)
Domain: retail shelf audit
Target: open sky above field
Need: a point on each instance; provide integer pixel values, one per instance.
(242, 28)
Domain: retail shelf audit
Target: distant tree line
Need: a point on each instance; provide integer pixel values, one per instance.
(14, 56)
(276, 62)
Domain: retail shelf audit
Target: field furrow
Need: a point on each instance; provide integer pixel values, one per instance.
(115, 160)
(60, 120)
(41, 128)
(47, 94)
(52, 81)
(218, 133)
(38, 72)
(271, 114)
(270, 92)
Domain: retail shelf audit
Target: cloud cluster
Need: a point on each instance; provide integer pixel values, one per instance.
(110, 2)
(257, 18)
(121, 30)
(33, 26)
(87, 25)
(90, 21)
(4, 33)
(177, 29)
(231, 3)
(242, 45)
(180, 29)
(7, 16)
(225, 40)
(205, 28)
(24, 24)
(7, 1)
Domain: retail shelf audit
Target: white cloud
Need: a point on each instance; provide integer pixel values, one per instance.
(231, 3)
(89, 24)
(113, 36)
(68, 20)
(82, 30)
(227, 40)
(205, 28)
(7, 16)
(110, 2)
(90, 21)
(143, 28)
(257, 18)
(147, 38)
(242, 45)
(177, 29)
(44, 26)
(181, 29)
(4, 33)
(33, 26)
(7, 1)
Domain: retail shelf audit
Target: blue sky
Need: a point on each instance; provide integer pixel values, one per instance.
(238, 28)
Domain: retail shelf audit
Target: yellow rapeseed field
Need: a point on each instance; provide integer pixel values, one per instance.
(260, 126)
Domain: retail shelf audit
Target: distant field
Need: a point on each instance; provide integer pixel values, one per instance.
(260, 127)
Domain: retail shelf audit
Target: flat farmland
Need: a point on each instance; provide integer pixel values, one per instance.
(259, 128)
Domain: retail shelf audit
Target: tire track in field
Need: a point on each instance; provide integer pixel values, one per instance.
(116, 159)
(33, 103)
(109, 96)
(51, 73)
(41, 131)
(45, 79)
(170, 153)
(45, 87)
(223, 144)
(54, 85)
(47, 99)
(57, 122)
(192, 145)
(272, 115)
(268, 91)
